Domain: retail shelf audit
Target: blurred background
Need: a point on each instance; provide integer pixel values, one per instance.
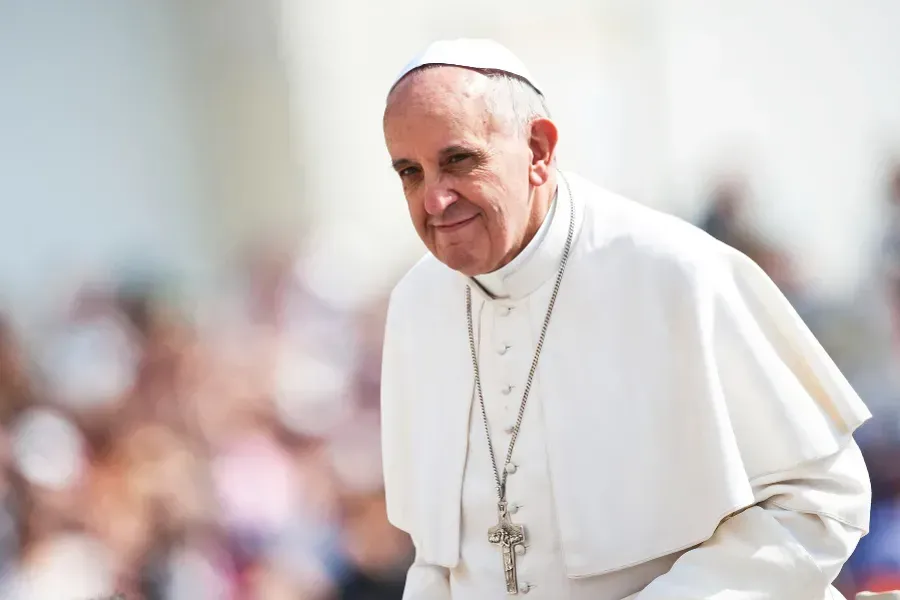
(199, 228)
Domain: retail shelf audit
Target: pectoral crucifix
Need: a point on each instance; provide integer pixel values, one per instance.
(507, 535)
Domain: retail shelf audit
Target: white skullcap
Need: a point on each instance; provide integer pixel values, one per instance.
(481, 55)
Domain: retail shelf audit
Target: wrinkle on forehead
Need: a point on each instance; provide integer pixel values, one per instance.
(446, 92)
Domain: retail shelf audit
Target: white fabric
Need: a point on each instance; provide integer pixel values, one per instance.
(505, 349)
(675, 380)
(505, 328)
(479, 54)
(792, 552)
(791, 544)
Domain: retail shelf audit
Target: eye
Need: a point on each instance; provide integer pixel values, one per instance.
(407, 172)
(457, 158)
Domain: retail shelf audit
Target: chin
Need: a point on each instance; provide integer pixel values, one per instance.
(462, 263)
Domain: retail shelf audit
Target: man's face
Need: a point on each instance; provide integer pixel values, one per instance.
(465, 170)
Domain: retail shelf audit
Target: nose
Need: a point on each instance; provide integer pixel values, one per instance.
(438, 197)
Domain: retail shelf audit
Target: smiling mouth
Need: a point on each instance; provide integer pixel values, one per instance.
(451, 227)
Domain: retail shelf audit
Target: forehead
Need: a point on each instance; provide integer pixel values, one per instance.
(438, 102)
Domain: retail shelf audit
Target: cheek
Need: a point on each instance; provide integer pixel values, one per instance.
(496, 216)
(417, 214)
(497, 233)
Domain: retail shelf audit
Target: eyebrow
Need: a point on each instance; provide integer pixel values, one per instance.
(456, 149)
(401, 163)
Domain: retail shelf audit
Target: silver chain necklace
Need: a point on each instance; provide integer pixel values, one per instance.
(507, 534)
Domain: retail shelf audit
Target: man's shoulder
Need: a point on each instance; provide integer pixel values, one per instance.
(426, 277)
(637, 235)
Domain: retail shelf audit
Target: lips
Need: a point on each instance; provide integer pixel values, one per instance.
(448, 227)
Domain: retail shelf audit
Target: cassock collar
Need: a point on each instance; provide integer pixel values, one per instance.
(540, 259)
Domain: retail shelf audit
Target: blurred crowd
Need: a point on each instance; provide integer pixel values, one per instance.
(161, 454)
(173, 452)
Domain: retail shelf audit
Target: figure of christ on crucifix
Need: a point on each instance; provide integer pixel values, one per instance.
(507, 535)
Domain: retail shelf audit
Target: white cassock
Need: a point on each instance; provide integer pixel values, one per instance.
(686, 437)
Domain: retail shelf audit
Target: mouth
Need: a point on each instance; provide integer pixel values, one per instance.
(456, 226)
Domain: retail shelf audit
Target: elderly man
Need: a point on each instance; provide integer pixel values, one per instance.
(584, 398)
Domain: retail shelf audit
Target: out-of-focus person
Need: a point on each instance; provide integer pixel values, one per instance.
(892, 251)
(16, 389)
(724, 217)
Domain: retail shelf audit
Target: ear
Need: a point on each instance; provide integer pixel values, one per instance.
(542, 142)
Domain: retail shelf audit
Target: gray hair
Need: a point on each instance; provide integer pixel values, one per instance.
(515, 97)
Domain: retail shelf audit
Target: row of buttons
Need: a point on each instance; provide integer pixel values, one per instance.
(505, 311)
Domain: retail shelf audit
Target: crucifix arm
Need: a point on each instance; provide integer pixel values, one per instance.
(425, 581)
